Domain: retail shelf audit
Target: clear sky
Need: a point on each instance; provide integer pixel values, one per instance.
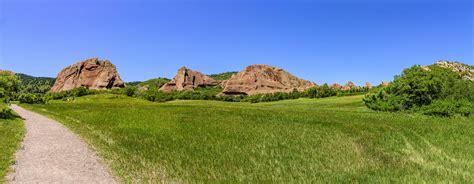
(322, 41)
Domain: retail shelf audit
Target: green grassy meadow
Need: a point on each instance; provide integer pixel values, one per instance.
(11, 133)
(333, 140)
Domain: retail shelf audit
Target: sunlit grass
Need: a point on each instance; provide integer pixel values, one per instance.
(11, 133)
(325, 140)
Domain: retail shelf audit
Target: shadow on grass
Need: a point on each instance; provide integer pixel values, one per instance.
(11, 117)
(7, 113)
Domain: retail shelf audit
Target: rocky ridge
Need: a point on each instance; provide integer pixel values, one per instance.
(466, 72)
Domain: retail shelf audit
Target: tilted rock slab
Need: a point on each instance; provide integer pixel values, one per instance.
(264, 79)
(187, 79)
(92, 73)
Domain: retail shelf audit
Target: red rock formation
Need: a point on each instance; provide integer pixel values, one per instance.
(336, 86)
(264, 79)
(368, 85)
(92, 73)
(349, 85)
(187, 79)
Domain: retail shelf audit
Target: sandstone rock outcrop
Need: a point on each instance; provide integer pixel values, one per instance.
(385, 84)
(187, 79)
(349, 85)
(336, 86)
(466, 72)
(91, 73)
(264, 79)
(368, 85)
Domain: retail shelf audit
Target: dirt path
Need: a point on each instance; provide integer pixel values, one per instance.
(51, 153)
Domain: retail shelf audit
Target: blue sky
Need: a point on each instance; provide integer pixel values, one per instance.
(322, 41)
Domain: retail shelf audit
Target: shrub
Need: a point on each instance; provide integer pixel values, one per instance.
(81, 91)
(432, 91)
(31, 98)
(5, 112)
(77, 92)
(9, 84)
(448, 108)
(37, 85)
(312, 92)
(326, 91)
(130, 90)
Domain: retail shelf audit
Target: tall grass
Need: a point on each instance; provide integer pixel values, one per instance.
(335, 140)
(11, 133)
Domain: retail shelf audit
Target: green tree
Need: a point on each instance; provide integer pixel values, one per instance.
(417, 88)
(9, 84)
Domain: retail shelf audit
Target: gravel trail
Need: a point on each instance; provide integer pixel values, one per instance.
(51, 153)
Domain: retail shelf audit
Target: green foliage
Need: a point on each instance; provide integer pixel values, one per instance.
(212, 93)
(9, 84)
(154, 84)
(77, 92)
(38, 85)
(130, 90)
(11, 134)
(325, 140)
(134, 83)
(30, 98)
(418, 87)
(5, 112)
(381, 101)
(448, 108)
(322, 91)
(202, 93)
(222, 76)
(351, 92)
(273, 97)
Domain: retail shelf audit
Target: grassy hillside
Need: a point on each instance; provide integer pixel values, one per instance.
(154, 83)
(11, 133)
(223, 76)
(327, 140)
(30, 84)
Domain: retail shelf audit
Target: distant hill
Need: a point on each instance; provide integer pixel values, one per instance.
(223, 76)
(31, 84)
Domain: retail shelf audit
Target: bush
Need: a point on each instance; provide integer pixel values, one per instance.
(212, 93)
(312, 93)
(447, 108)
(322, 91)
(77, 92)
(9, 84)
(201, 93)
(81, 91)
(130, 91)
(432, 91)
(5, 112)
(31, 99)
